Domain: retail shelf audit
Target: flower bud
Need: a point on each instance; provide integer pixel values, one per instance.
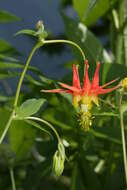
(40, 25)
(58, 164)
(61, 150)
(58, 159)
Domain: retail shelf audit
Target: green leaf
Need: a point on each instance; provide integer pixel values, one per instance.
(90, 11)
(21, 137)
(79, 33)
(8, 17)
(33, 81)
(29, 107)
(8, 75)
(81, 7)
(17, 65)
(26, 32)
(91, 5)
(7, 48)
(5, 65)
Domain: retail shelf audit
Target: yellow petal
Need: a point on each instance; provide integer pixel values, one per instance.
(76, 100)
(95, 100)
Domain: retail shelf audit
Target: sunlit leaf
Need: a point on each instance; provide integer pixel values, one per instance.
(90, 11)
(29, 107)
(79, 33)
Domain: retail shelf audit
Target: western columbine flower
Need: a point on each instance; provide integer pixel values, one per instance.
(85, 96)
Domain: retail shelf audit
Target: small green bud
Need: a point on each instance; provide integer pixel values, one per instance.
(41, 33)
(58, 163)
(40, 25)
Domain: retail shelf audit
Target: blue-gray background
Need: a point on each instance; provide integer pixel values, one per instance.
(30, 11)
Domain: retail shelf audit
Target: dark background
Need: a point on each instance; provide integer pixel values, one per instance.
(30, 11)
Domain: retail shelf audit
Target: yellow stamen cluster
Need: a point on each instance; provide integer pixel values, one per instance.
(84, 105)
(85, 116)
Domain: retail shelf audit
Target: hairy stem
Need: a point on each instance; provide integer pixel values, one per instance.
(123, 139)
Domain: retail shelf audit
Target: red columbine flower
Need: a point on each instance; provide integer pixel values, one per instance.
(85, 96)
(90, 90)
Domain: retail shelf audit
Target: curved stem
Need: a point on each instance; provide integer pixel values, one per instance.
(23, 74)
(18, 91)
(67, 42)
(123, 139)
(22, 77)
(47, 123)
(12, 179)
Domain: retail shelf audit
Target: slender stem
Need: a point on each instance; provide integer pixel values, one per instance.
(47, 123)
(123, 139)
(12, 179)
(22, 77)
(23, 74)
(67, 42)
(7, 127)
(18, 91)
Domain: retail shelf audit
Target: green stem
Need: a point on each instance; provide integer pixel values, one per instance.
(47, 123)
(67, 42)
(7, 126)
(12, 179)
(123, 139)
(18, 91)
(23, 74)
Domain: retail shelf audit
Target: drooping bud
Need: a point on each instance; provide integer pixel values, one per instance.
(58, 164)
(59, 159)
